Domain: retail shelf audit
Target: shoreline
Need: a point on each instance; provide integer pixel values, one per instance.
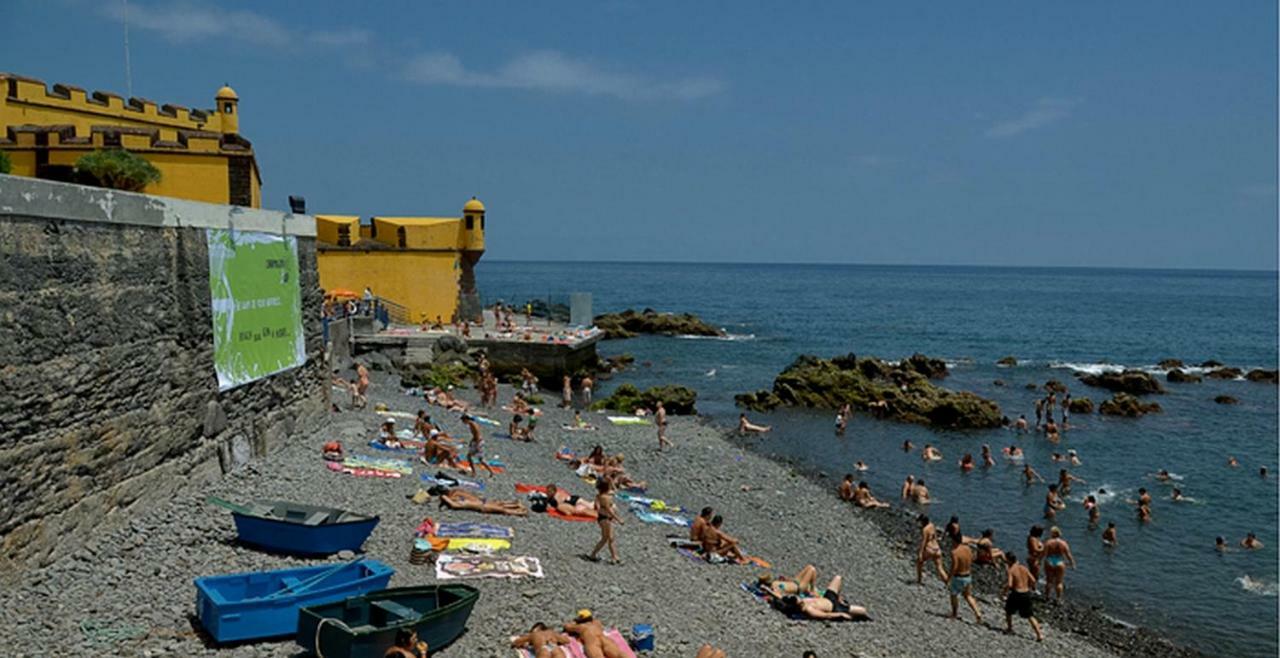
(1086, 620)
(136, 575)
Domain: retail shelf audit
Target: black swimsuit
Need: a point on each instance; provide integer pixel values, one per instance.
(836, 604)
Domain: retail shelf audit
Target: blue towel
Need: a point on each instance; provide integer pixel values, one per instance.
(481, 530)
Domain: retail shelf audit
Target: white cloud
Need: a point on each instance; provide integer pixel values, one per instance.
(1044, 112)
(552, 71)
(186, 22)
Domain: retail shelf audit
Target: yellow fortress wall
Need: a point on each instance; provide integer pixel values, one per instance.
(426, 264)
(200, 153)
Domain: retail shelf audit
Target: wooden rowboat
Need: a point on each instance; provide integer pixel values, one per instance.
(285, 527)
(365, 626)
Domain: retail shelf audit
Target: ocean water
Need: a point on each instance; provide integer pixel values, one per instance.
(1057, 322)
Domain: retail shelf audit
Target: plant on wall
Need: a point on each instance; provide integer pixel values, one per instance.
(5, 165)
(117, 169)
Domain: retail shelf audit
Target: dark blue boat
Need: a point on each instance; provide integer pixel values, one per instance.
(284, 527)
(365, 626)
(265, 604)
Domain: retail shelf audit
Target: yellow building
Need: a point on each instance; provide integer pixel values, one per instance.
(424, 264)
(200, 153)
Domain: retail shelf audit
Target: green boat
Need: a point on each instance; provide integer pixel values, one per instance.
(365, 626)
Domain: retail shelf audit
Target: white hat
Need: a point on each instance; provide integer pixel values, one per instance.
(433, 432)
(388, 420)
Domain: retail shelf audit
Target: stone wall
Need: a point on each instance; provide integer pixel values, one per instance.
(108, 397)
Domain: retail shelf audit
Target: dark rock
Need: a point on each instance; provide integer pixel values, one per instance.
(1169, 364)
(678, 400)
(1179, 376)
(1055, 386)
(1007, 361)
(998, 382)
(1080, 406)
(1225, 373)
(1124, 404)
(1128, 381)
(1264, 376)
(1211, 364)
(906, 392)
(931, 368)
(1226, 399)
(1032, 387)
(629, 324)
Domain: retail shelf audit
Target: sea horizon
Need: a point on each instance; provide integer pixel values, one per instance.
(1041, 268)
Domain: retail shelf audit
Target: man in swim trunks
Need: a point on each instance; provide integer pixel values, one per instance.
(960, 579)
(1109, 535)
(716, 541)
(660, 419)
(590, 632)
(1039, 411)
(1057, 555)
(475, 449)
(831, 605)
(929, 551)
(1065, 478)
(700, 524)
(1019, 584)
(435, 450)
(543, 642)
(862, 497)
(920, 493)
(845, 490)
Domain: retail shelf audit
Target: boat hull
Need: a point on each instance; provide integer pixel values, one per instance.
(279, 536)
(365, 626)
(259, 605)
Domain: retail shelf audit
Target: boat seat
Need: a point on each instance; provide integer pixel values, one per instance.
(393, 608)
(316, 518)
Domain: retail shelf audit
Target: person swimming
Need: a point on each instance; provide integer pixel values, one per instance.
(966, 462)
(987, 459)
(1109, 538)
(860, 466)
(930, 453)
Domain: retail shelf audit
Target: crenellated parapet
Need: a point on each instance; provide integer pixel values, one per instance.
(21, 96)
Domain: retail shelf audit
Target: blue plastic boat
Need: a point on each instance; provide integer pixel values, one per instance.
(284, 527)
(265, 604)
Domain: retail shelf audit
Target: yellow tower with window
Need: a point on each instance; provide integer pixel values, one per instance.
(424, 264)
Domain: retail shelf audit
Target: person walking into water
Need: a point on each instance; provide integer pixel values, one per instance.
(1019, 584)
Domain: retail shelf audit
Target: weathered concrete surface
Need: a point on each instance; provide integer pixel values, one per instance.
(108, 397)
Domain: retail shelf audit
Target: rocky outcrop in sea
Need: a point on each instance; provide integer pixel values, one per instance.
(1135, 382)
(677, 400)
(901, 391)
(629, 324)
(1124, 404)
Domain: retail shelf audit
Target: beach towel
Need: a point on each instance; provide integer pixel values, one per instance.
(660, 517)
(398, 414)
(360, 472)
(486, 421)
(575, 650)
(462, 544)
(494, 464)
(480, 530)
(450, 481)
(564, 454)
(455, 567)
(629, 420)
(574, 428)
(654, 504)
(402, 466)
(403, 450)
(551, 511)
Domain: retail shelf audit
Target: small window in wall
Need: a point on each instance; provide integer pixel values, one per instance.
(471, 222)
(111, 139)
(344, 236)
(228, 108)
(401, 238)
(481, 222)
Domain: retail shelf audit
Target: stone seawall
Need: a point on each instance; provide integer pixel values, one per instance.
(108, 396)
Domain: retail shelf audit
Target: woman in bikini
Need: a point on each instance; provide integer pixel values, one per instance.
(568, 504)
(803, 582)
(1057, 555)
(831, 605)
(930, 550)
(1035, 551)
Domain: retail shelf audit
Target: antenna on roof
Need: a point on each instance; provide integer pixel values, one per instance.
(128, 75)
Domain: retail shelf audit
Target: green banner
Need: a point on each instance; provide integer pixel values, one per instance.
(257, 305)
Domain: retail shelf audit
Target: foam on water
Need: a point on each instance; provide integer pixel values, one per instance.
(727, 337)
(1259, 587)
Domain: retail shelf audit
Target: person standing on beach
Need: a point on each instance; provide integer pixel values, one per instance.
(1018, 586)
(475, 449)
(660, 419)
(1035, 552)
(566, 392)
(606, 516)
(930, 550)
(585, 386)
(1057, 555)
(362, 386)
(960, 579)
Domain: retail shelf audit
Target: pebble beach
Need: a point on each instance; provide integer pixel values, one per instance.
(130, 592)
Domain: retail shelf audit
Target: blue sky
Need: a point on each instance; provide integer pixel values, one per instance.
(1135, 134)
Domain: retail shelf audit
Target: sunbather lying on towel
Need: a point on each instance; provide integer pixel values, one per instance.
(435, 450)
(717, 542)
(568, 504)
(803, 583)
(590, 632)
(438, 396)
(543, 642)
(460, 499)
(831, 605)
(708, 651)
